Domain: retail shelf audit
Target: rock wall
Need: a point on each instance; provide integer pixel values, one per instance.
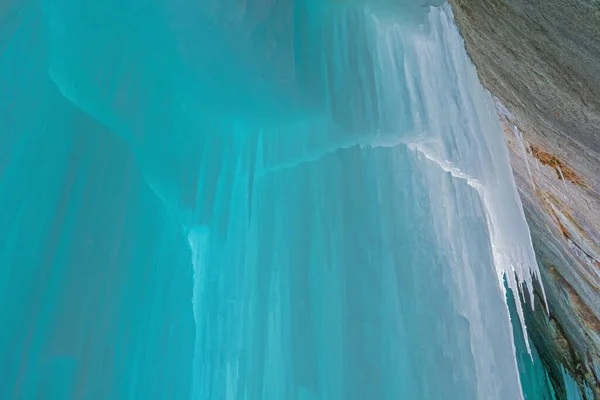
(541, 60)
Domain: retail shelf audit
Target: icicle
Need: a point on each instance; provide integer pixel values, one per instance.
(519, 138)
(563, 181)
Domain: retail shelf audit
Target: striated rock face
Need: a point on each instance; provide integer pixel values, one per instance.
(541, 60)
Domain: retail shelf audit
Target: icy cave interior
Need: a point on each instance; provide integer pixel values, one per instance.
(258, 200)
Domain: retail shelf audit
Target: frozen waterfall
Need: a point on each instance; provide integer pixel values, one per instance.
(257, 199)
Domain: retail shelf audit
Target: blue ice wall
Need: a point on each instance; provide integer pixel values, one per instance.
(252, 200)
(95, 274)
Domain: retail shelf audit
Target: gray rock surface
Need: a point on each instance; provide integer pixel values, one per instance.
(541, 60)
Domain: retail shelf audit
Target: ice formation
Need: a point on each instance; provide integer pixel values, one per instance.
(266, 199)
(519, 139)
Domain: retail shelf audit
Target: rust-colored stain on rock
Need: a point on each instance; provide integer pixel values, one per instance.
(584, 312)
(552, 161)
(548, 199)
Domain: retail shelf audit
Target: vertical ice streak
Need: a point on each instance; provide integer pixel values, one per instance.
(519, 137)
(562, 178)
(254, 200)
